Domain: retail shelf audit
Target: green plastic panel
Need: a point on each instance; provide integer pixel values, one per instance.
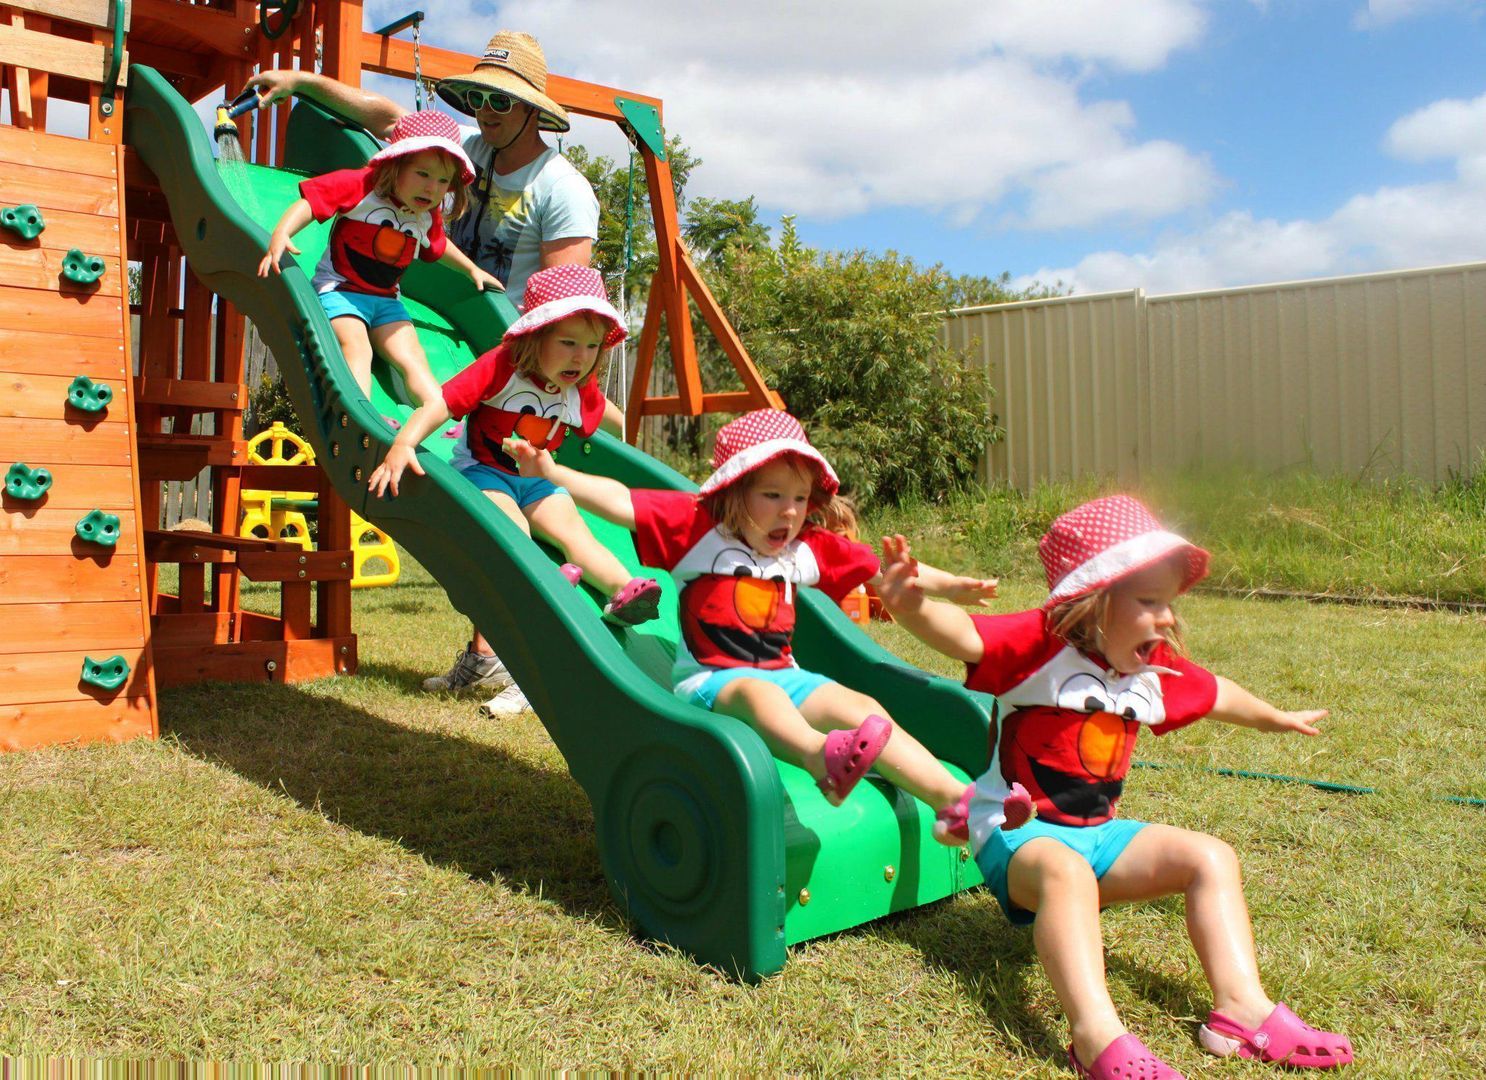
(705, 840)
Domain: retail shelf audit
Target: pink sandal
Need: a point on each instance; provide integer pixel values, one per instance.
(637, 602)
(1284, 1038)
(1127, 1058)
(952, 824)
(849, 754)
(572, 572)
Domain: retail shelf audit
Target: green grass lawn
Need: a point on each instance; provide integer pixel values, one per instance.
(353, 872)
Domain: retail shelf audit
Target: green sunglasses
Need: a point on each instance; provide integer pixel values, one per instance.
(494, 100)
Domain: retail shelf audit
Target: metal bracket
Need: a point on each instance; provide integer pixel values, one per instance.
(115, 63)
(644, 121)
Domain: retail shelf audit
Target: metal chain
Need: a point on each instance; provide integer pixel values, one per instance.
(417, 70)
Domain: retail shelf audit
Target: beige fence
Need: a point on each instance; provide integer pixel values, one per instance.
(1383, 374)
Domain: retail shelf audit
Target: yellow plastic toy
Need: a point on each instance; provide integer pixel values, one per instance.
(280, 514)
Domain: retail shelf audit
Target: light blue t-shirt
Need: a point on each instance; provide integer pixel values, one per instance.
(512, 214)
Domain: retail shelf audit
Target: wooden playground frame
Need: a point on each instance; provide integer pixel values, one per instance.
(191, 342)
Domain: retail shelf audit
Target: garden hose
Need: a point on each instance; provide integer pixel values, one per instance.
(1319, 785)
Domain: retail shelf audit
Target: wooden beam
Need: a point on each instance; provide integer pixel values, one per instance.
(99, 13)
(57, 55)
(727, 337)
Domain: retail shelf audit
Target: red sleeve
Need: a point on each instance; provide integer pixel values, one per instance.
(1015, 646)
(477, 382)
(668, 524)
(437, 241)
(335, 192)
(1188, 696)
(844, 564)
(591, 406)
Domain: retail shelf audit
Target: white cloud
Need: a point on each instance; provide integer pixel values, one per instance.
(1379, 13)
(831, 109)
(1391, 228)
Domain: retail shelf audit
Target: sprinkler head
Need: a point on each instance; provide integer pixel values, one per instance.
(228, 111)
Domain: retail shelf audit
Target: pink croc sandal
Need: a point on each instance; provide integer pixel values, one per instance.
(952, 824)
(1127, 1058)
(1283, 1038)
(572, 572)
(849, 754)
(637, 602)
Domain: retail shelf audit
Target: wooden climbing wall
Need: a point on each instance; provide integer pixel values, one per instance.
(66, 600)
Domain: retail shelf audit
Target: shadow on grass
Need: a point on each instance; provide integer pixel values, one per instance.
(457, 803)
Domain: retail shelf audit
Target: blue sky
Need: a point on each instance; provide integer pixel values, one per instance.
(1109, 144)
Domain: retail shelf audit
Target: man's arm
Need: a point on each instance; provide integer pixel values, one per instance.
(372, 111)
(572, 249)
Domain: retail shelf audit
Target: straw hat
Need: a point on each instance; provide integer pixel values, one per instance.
(757, 438)
(426, 130)
(514, 64)
(1096, 544)
(557, 292)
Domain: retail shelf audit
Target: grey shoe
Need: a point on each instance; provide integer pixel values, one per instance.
(471, 672)
(508, 702)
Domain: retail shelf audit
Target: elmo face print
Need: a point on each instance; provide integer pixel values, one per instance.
(734, 615)
(373, 252)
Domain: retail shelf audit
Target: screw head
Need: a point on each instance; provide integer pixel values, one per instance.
(804, 897)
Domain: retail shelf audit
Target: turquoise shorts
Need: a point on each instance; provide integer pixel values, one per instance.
(1100, 845)
(525, 490)
(798, 683)
(375, 311)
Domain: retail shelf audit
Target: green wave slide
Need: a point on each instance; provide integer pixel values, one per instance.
(706, 840)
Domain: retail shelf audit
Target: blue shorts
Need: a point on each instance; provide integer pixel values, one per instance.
(1100, 845)
(798, 683)
(375, 311)
(525, 490)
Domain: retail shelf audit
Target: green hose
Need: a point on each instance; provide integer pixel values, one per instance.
(1319, 785)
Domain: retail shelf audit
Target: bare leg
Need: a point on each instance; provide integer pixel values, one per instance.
(768, 710)
(556, 518)
(512, 511)
(1058, 884)
(398, 342)
(904, 760)
(1162, 861)
(356, 348)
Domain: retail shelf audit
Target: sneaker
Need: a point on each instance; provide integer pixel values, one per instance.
(471, 671)
(509, 702)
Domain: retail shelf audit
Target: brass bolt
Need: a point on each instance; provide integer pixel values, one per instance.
(302, 560)
(888, 873)
(301, 573)
(804, 897)
(964, 854)
(335, 449)
(366, 442)
(345, 420)
(356, 473)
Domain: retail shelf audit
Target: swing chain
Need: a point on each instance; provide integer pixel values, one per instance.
(417, 69)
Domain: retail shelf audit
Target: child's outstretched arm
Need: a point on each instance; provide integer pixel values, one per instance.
(426, 419)
(607, 498)
(295, 218)
(462, 262)
(940, 625)
(956, 588)
(1235, 705)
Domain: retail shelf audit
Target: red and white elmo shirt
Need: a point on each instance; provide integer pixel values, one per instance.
(373, 239)
(501, 402)
(1069, 720)
(737, 606)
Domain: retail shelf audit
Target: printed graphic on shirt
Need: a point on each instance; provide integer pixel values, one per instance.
(519, 408)
(737, 607)
(371, 253)
(508, 214)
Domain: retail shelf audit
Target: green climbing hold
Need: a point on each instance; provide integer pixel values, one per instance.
(105, 674)
(24, 482)
(25, 219)
(80, 268)
(96, 527)
(89, 396)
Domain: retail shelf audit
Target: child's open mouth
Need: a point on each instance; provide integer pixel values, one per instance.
(569, 375)
(779, 537)
(1146, 649)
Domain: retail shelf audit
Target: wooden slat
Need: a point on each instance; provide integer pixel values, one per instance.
(99, 13)
(41, 268)
(58, 151)
(28, 579)
(83, 315)
(26, 727)
(291, 566)
(247, 661)
(202, 628)
(57, 55)
(57, 676)
(57, 189)
(35, 352)
(54, 532)
(34, 627)
(57, 442)
(44, 397)
(77, 487)
(190, 393)
(70, 229)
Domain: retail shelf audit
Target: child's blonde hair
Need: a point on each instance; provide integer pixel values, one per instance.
(831, 511)
(1080, 622)
(384, 177)
(526, 349)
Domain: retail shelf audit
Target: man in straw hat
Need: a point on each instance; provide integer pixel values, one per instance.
(529, 208)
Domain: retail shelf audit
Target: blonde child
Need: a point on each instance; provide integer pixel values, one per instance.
(739, 550)
(1079, 678)
(385, 214)
(541, 380)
